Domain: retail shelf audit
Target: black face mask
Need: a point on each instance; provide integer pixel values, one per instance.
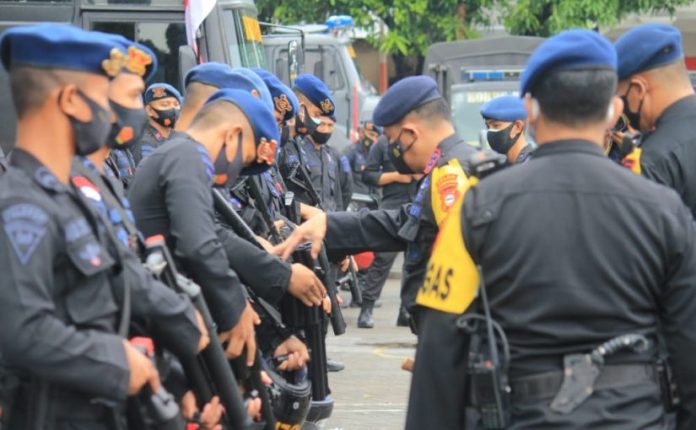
(128, 128)
(91, 135)
(500, 140)
(166, 118)
(306, 126)
(396, 154)
(320, 138)
(226, 171)
(633, 117)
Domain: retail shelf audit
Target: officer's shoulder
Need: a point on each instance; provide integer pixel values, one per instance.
(668, 142)
(21, 196)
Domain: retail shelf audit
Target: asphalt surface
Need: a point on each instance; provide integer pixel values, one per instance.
(372, 391)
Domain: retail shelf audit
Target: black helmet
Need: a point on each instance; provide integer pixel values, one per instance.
(291, 401)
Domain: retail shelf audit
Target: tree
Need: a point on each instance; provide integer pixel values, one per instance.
(547, 17)
(413, 25)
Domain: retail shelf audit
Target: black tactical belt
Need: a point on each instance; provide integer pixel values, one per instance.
(546, 385)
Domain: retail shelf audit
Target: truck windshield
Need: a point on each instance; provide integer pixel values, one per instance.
(244, 39)
(466, 106)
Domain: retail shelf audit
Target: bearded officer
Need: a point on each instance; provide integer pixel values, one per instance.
(585, 264)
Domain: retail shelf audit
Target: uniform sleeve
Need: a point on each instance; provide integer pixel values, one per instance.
(189, 203)
(346, 178)
(665, 169)
(172, 315)
(34, 338)
(265, 274)
(678, 317)
(355, 232)
(373, 165)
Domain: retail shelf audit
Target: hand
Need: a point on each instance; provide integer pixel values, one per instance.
(242, 335)
(326, 305)
(305, 286)
(205, 336)
(345, 264)
(403, 179)
(211, 415)
(297, 353)
(254, 408)
(142, 370)
(265, 244)
(313, 230)
(308, 212)
(279, 224)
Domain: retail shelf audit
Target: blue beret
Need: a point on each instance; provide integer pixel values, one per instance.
(211, 73)
(284, 100)
(259, 84)
(161, 90)
(140, 60)
(570, 49)
(317, 92)
(260, 117)
(60, 46)
(403, 97)
(647, 46)
(504, 108)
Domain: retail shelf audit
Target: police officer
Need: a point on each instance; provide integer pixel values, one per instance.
(232, 132)
(163, 105)
(505, 119)
(397, 190)
(329, 172)
(270, 277)
(58, 310)
(417, 122)
(575, 251)
(660, 102)
(357, 154)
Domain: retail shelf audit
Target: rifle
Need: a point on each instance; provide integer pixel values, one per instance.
(261, 205)
(308, 186)
(232, 218)
(209, 372)
(309, 319)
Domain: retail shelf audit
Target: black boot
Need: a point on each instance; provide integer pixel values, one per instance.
(365, 318)
(404, 319)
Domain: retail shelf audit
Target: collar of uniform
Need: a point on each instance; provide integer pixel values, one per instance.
(439, 155)
(568, 146)
(155, 133)
(27, 162)
(681, 108)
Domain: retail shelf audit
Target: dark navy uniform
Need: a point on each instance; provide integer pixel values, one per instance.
(411, 228)
(394, 196)
(625, 274)
(357, 155)
(170, 315)
(58, 308)
(669, 152)
(525, 154)
(574, 251)
(330, 175)
(170, 191)
(150, 141)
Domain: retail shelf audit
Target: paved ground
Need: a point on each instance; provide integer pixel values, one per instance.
(372, 392)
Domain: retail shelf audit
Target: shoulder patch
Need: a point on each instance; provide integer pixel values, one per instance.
(87, 188)
(25, 226)
(449, 183)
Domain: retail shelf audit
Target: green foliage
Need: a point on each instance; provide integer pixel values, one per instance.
(413, 24)
(546, 17)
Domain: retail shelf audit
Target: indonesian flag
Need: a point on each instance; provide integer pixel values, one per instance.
(196, 11)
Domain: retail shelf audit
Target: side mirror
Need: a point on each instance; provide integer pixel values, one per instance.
(187, 61)
(293, 61)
